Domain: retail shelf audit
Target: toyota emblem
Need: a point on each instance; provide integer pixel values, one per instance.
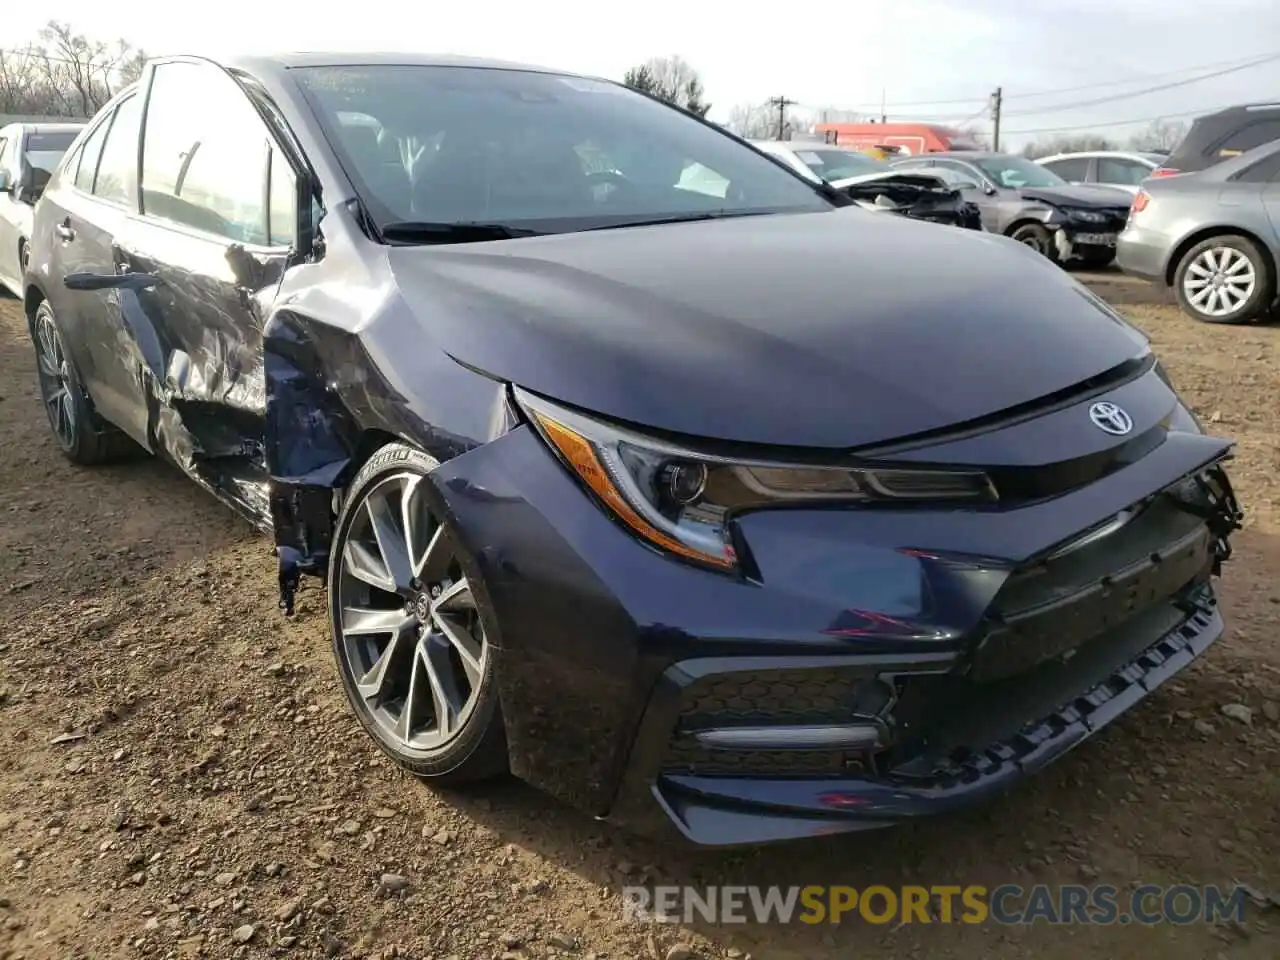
(1109, 418)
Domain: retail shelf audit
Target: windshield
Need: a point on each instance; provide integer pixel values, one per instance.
(539, 151)
(837, 164)
(1015, 172)
(44, 150)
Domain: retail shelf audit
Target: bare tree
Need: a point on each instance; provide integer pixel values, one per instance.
(671, 79)
(1159, 135)
(65, 73)
(759, 121)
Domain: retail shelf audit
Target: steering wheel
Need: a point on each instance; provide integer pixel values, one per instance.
(608, 183)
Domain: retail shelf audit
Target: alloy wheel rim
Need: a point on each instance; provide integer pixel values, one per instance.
(410, 630)
(1220, 281)
(55, 381)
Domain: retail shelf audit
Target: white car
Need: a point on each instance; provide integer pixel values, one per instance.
(821, 161)
(1104, 168)
(29, 152)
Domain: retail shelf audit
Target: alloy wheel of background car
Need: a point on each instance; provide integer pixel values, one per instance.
(1037, 238)
(24, 257)
(1224, 279)
(410, 635)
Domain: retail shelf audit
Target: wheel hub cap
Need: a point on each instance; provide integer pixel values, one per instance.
(1219, 282)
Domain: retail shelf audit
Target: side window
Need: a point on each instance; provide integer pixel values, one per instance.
(89, 155)
(1074, 169)
(1266, 170)
(119, 161)
(4, 145)
(1115, 170)
(282, 206)
(205, 167)
(960, 175)
(1246, 138)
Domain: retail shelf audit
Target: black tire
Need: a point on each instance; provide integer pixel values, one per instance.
(1227, 248)
(24, 257)
(83, 436)
(1038, 238)
(478, 748)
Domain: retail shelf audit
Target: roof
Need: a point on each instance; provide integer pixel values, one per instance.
(961, 154)
(354, 58)
(1125, 154)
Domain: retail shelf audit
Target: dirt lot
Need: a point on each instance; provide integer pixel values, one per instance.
(212, 797)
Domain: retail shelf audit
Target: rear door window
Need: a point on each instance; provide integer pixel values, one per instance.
(89, 157)
(118, 165)
(1119, 170)
(1246, 138)
(1070, 168)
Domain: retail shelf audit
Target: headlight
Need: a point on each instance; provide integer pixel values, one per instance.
(681, 500)
(1087, 216)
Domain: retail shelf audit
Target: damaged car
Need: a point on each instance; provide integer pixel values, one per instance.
(1021, 199)
(920, 195)
(740, 516)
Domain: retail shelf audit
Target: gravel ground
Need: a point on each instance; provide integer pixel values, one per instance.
(180, 776)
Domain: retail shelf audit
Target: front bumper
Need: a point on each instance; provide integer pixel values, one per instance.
(727, 809)
(614, 662)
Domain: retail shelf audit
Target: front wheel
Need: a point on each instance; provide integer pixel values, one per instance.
(1038, 238)
(412, 628)
(1225, 279)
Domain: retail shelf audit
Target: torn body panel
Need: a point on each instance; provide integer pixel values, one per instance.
(331, 400)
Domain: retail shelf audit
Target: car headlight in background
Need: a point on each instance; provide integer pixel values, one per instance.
(1087, 216)
(680, 500)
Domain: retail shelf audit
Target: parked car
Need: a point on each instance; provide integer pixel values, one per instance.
(1213, 236)
(820, 161)
(1108, 168)
(29, 152)
(744, 517)
(1219, 136)
(1033, 205)
(919, 195)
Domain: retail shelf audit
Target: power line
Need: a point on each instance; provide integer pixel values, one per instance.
(1080, 104)
(1237, 62)
(1119, 123)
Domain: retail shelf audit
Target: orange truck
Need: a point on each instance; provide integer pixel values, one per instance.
(896, 138)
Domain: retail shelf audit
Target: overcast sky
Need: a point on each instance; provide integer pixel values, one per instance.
(915, 50)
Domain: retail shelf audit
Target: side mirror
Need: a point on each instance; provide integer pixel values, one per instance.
(989, 190)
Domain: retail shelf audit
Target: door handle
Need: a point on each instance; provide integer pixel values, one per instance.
(64, 231)
(110, 281)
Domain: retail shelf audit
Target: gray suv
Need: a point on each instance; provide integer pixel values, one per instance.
(1213, 236)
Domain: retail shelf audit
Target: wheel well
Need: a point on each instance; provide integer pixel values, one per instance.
(1181, 250)
(371, 441)
(31, 301)
(1025, 221)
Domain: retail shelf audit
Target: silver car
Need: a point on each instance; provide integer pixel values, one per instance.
(29, 152)
(1107, 168)
(1214, 236)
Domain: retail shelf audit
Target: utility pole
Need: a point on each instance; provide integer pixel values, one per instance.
(884, 118)
(781, 103)
(997, 99)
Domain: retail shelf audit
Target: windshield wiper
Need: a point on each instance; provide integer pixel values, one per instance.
(427, 231)
(682, 218)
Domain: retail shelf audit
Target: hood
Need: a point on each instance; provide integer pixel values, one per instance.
(1082, 195)
(831, 329)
